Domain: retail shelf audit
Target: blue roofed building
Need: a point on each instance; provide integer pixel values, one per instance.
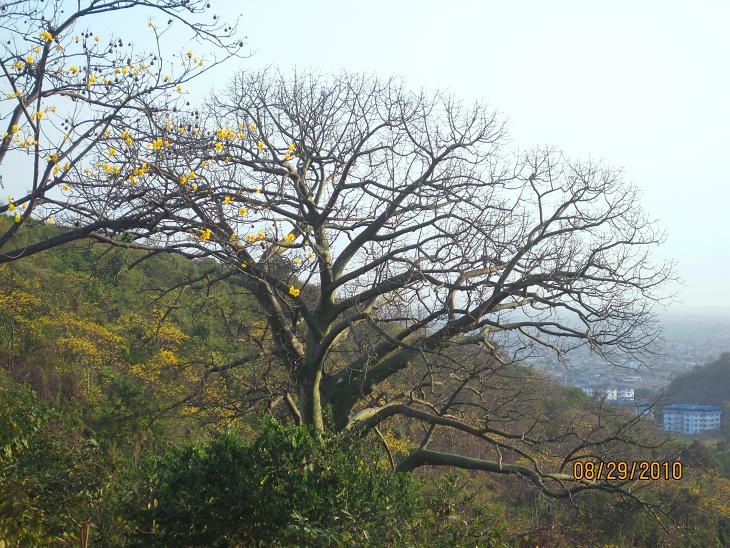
(690, 418)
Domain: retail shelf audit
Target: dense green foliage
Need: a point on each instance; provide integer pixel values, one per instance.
(284, 488)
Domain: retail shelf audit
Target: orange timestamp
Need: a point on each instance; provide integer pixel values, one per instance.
(620, 470)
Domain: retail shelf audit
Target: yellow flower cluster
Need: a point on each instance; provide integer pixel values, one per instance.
(255, 237)
(293, 291)
(289, 237)
(205, 234)
(227, 133)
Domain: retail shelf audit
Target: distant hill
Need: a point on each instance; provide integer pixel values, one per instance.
(707, 384)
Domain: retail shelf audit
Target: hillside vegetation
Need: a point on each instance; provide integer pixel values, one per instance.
(128, 401)
(707, 384)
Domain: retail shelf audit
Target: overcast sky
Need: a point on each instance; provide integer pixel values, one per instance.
(639, 85)
(643, 86)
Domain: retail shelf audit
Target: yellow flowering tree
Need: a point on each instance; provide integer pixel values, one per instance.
(71, 95)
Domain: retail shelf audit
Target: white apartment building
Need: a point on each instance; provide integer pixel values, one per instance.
(688, 418)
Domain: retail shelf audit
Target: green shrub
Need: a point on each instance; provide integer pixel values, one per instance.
(286, 488)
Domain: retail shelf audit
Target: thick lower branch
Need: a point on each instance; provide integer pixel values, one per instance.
(425, 457)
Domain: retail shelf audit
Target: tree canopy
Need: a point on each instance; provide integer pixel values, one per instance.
(402, 255)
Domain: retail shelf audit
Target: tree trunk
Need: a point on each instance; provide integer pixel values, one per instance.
(310, 402)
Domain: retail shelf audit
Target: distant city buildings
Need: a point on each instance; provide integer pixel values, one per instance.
(688, 418)
(612, 393)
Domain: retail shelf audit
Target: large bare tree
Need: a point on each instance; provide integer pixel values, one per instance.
(403, 255)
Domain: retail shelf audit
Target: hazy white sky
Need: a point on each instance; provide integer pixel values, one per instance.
(640, 85)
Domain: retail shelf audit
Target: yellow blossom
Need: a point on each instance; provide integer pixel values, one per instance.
(190, 54)
(179, 89)
(289, 237)
(74, 69)
(227, 200)
(149, 23)
(51, 220)
(218, 147)
(29, 59)
(19, 65)
(46, 35)
(252, 126)
(292, 147)
(297, 260)
(92, 81)
(11, 207)
(261, 235)
(183, 179)
(17, 217)
(243, 211)
(293, 291)
(260, 145)
(287, 156)
(112, 151)
(66, 187)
